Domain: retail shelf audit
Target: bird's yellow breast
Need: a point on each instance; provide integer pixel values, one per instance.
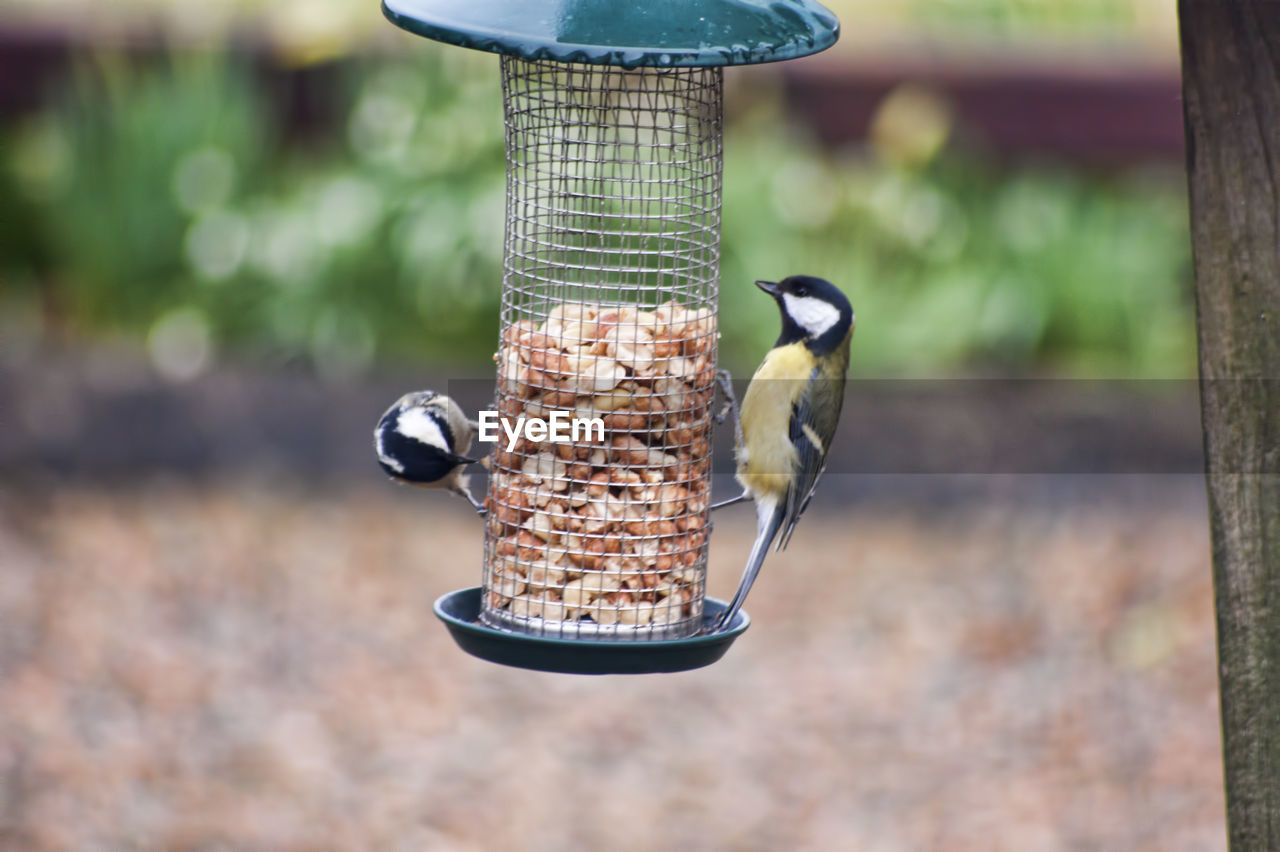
(766, 462)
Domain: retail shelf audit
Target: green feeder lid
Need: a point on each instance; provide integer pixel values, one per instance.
(663, 33)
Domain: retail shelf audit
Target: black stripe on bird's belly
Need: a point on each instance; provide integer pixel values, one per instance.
(422, 462)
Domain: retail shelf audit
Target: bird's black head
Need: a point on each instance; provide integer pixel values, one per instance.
(814, 312)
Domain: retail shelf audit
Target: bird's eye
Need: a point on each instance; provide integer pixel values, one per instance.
(802, 291)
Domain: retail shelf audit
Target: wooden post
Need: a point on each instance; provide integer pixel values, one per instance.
(1231, 97)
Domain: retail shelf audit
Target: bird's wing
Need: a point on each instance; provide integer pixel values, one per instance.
(814, 417)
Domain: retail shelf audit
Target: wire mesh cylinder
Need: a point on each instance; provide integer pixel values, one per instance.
(609, 299)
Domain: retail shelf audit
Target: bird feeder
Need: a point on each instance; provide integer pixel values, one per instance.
(595, 548)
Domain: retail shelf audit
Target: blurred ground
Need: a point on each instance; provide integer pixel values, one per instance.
(231, 665)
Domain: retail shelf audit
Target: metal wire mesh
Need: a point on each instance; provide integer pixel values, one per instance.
(609, 301)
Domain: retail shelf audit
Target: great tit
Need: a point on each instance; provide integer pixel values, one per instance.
(789, 414)
(423, 440)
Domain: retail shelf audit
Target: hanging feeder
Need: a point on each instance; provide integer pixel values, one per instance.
(595, 548)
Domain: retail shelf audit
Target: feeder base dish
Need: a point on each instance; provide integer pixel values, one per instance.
(460, 612)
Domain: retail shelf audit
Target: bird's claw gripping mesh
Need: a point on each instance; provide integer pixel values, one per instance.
(608, 314)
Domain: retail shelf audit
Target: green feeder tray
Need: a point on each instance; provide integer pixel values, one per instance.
(460, 612)
(663, 33)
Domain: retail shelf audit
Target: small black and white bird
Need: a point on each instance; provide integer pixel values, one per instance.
(789, 414)
(423, 440)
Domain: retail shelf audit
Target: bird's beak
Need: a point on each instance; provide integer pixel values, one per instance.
(769, 287)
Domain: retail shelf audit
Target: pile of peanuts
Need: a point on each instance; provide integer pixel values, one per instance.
(610, 530)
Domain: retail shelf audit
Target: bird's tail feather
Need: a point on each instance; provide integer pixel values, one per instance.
(769, 514)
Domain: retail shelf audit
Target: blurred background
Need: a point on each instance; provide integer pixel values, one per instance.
(232, 232)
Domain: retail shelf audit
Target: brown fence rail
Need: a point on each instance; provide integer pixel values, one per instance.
(1092, 113)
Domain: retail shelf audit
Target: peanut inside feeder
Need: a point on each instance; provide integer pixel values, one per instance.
(608, 531)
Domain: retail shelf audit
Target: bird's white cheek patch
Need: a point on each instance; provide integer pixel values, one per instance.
(813, 315)
(419, 426)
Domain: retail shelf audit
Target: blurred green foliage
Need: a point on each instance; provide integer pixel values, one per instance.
(145, 192)
(1007, 18)
(955, 264)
